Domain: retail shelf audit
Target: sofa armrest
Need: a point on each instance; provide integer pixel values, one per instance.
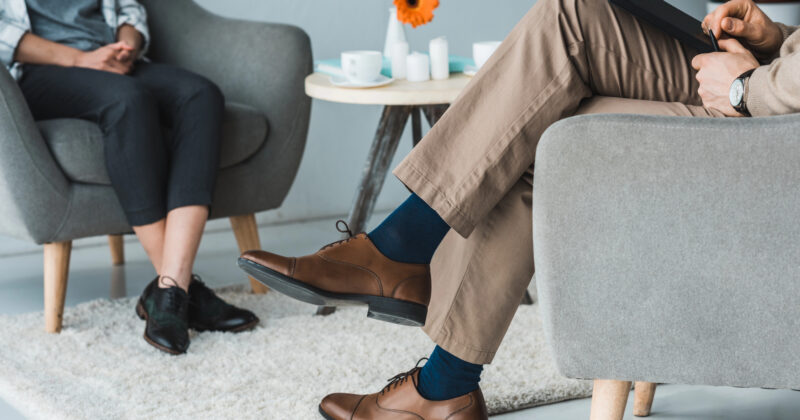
(34, 193)
(259, 64)
(668, 249)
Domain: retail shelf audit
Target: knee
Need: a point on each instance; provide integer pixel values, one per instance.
(132, 99)
(203, 92)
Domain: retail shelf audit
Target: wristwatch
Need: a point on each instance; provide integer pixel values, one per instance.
(738, 93)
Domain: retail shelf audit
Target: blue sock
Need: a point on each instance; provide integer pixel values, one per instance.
(411, 233)
(445, 376)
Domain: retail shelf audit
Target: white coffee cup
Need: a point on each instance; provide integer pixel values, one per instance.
(481, 51)
(362, 66)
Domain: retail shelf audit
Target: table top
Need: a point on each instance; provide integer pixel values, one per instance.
(399, 92)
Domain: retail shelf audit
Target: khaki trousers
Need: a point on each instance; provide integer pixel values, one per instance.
(475, 165)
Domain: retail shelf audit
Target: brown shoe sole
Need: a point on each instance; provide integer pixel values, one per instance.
(381, 308)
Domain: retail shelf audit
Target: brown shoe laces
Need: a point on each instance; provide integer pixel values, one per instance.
(346, 230)
(401, 378)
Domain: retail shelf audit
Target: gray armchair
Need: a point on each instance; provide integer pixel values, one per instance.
(668, 251)
(53, 184)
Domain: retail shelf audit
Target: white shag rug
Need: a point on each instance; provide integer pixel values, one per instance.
(99, 367)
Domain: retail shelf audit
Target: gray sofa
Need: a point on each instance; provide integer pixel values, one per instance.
(53, 184)
(668, 251)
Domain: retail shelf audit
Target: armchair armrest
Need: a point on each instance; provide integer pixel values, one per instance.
(34, 193)
(259, 64)
(668, 249)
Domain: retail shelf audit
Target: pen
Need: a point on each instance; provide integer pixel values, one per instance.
(713, 40)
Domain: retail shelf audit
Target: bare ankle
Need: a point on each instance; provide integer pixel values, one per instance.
(165, 282)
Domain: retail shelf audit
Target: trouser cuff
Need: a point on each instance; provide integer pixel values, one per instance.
(460, 350)
(145, 216)
(433, 195)
(189, 198)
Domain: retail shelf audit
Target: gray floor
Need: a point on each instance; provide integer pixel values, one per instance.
(91, 277)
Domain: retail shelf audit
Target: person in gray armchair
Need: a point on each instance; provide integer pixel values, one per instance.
(84, 59)
(471, 181)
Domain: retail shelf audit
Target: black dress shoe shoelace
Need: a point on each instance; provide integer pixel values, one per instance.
(173, 301)
(171, 304)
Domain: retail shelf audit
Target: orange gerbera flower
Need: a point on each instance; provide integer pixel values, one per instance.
(415, 12)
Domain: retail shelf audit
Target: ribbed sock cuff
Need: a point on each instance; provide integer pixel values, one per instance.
(445, 376)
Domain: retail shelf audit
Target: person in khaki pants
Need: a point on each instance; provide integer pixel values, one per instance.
(471, 180)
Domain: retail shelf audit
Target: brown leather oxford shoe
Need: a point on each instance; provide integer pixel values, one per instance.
(348, 272)
(400, 401)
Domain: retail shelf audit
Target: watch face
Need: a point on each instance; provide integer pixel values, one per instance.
(737, 92)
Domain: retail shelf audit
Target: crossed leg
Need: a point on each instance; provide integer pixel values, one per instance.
(495, 264)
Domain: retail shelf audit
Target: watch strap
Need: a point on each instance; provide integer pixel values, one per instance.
(742, 107)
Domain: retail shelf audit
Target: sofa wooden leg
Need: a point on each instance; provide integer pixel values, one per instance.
(117, 246)
(643, 394)
(246, 232)
(609, 398)
(56, 272)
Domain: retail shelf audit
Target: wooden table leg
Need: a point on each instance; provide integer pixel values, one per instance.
(434, 112)
(416, 125)
(393, 122)
(527, 299)
(384, 145)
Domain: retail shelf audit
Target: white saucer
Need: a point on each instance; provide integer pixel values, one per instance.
(470, 70)
(344, 82)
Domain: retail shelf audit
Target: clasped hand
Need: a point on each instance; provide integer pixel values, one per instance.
(116, 58)
(732, 22)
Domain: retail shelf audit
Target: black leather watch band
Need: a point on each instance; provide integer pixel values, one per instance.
(742, 107)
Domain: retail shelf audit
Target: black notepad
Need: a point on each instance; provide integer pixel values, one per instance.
(669, 19)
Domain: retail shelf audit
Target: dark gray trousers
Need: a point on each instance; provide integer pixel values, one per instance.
(152, 170)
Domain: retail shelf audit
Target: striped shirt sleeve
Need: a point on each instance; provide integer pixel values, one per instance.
(11, 31)
(132, 13)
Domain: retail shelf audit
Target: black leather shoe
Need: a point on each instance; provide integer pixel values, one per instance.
(207, 312)
(167, 315)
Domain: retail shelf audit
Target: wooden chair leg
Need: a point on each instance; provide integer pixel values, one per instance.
(117, 246)
(56, 272)
(246, 232)
(643, 398)
(609, 398)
